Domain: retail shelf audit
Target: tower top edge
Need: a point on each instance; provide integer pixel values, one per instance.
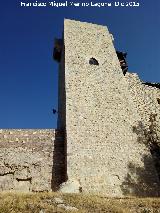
(77, 22)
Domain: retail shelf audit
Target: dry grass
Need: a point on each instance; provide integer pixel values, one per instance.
(45, 203)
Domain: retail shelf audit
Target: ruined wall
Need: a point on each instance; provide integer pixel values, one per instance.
(103, 151)
(31, 160)
(146, 99)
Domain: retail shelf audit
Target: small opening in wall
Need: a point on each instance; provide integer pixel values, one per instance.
(93, 61)
(158, 100)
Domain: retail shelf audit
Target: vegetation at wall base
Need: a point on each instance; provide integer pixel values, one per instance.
(59, 203)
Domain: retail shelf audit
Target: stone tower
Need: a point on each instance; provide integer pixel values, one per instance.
(103, 151)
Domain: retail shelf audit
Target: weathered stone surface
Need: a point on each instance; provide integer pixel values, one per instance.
(28, 159)
(23, 185)
(6, 182)
(71, 186)
(145, 99)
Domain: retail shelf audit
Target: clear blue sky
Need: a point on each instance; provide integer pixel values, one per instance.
(28, 75)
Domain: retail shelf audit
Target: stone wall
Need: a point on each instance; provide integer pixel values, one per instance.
(104, 154)
(31, 160)
(146, 99)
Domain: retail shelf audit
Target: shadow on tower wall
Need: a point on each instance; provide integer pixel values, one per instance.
(144, 181)
(59, 170)
(59, 160)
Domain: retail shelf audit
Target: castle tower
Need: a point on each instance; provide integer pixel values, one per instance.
(104, 153)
